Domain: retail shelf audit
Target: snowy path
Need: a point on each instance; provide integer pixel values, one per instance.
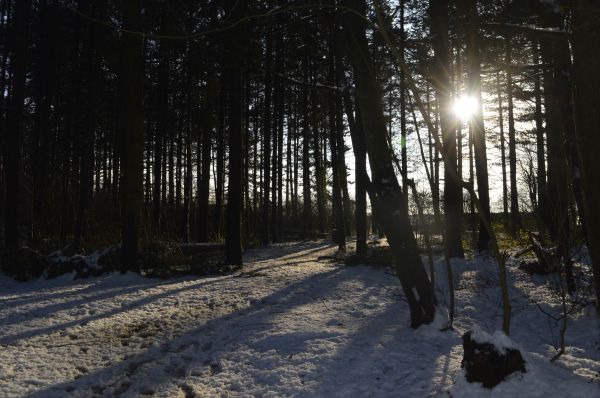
(287, 325)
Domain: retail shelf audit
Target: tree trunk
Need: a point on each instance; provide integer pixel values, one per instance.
(476, 125)
(207, 139)
(515, 216)
(452, 190)
(277, 181)
(161, 131)
(335, 131)
(235, 49)
(266, 158)
(14, 123)
(389, 197)
(586, 47)
(88, 133)
(220, 159)
(132, 135)
(560, 126)
(502, 151)
(306, 138)
(360, 173)
(319, 152)
(542, 198)
(189, 123)
(46, 67)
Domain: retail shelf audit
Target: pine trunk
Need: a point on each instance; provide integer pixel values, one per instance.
(132, 135)
(389, 196)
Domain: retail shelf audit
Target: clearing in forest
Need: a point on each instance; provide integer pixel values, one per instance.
(293, 322)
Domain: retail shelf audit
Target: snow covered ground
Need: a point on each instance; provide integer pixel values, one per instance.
(288, 324)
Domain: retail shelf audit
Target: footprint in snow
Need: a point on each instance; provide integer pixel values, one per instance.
(335, 322)
(188, 391)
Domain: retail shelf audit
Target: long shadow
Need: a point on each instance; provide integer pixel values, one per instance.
(292, 263)
(300, 249)
(29, 293)
(15, 338)
(531, 315)
(12, 339)
(109, 292)
(193, 343)
(33, 295)
(385, 340)
(382, 350)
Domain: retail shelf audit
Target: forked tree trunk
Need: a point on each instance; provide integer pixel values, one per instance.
(389, 198)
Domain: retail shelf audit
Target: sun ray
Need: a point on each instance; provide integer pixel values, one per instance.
(465, 107)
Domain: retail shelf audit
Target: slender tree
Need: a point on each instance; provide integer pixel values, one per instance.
(387, 195)
(586, 44)
(476, 125)
(438, 10)
(515, 216)
(14, 123)
(235, 48)
(132, 134)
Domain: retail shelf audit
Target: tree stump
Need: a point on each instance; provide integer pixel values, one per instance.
(489, 359)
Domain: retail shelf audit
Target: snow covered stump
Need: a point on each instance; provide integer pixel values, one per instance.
(488, 359)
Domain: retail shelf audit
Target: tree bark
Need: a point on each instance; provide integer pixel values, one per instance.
(561, 127)
(306, 139)
(476, 125)
(389, 196)
(441, 78)
(235, 49)
(132, 135)
(515, 215)
(542, 198)
(586, 47)
(220, 158)
(14, 123)
(360, 173)
(266, 158)
(207, 140)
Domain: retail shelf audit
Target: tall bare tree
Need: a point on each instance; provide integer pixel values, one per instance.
(387, 196)
(132, 134)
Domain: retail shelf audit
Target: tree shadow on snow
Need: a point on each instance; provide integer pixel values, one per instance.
(377, 354)
(201, 347)
(130, 305)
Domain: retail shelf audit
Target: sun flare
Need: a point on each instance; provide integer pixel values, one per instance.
(465, 107)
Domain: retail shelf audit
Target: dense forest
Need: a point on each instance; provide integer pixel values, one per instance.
(452, 129)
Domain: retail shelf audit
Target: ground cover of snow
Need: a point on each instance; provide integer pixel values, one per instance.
(293, 322)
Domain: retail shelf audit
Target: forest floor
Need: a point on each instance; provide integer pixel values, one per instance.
(293, 322)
